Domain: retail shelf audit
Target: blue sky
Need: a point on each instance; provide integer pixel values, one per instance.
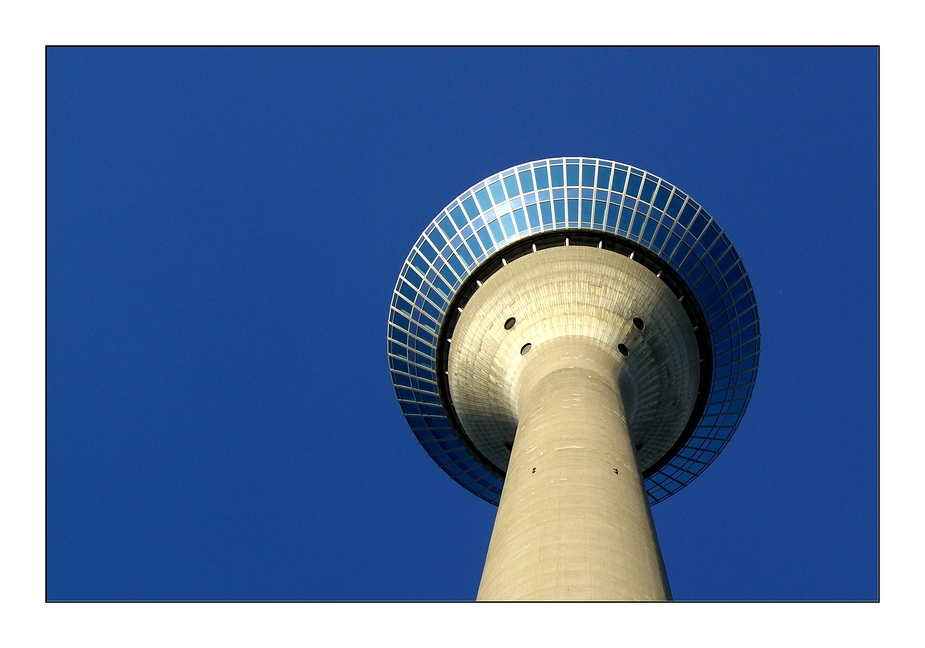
(224, 230)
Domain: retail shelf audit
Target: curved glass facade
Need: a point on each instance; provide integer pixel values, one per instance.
(562, 194)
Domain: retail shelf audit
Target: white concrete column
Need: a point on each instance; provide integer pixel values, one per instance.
(573, 522)
(588, 362)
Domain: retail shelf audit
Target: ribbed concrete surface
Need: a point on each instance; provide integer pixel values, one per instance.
(573, 521)
(574, 292)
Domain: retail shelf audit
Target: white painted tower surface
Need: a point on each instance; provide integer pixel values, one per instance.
(573, 355)
(573, 522)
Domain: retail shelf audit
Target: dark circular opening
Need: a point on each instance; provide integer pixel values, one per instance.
(621, 347)
(638, 323)
(525, 348)
(509, 324)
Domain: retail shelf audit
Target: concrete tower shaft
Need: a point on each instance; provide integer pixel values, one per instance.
(575, 368)
(573, 340)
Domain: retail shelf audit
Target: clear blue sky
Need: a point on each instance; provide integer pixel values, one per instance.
(224, 230)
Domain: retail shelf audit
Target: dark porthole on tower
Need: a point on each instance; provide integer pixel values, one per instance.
(622, 348)
(525, 348)
(638, 323)
(509, 324)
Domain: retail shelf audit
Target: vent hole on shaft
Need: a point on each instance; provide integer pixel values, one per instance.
(622, 348)
(638, 323)
(525, 349)
(509, 324)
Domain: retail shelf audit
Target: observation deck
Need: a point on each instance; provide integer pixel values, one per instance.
(658, 236)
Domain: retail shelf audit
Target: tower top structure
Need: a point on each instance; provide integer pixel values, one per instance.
(693, 402)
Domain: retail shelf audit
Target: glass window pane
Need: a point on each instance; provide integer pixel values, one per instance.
(471, 209)
(673, 242)
(546, 210)
(508, 225)
(559, 206)
(484, 201)
(473, 243)
(457, 265)
(599, 208)
(736, 273)
(437, 239)
(612, 216)
(429, 252)
(626, 215)
(633, 187)
(683, 257)
(465, 256)
(458, 217)
(726, 261)
(649, 231)
(496, 232)
(709, 235)
(603, 177)
(402, 304)
(521, 220)
(647, 189)
(533, 216)
(487, 243)
(542, 179)
(699, 223)
(510, 183)
(636, 226)
(587, 175)
(497, 192)
(557, 178)
(441, 286)
(433, 312)
(572, 174)
(686, 215)
(447, 227)
(586, 213)
(407, 290)
(526, 180)
(619, 179)
(400, 320)
(698, 271)
(413, 277)
(420, 263)
(661, 198)
(675, 205)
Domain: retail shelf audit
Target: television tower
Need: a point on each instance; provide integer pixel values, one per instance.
(573, 340)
